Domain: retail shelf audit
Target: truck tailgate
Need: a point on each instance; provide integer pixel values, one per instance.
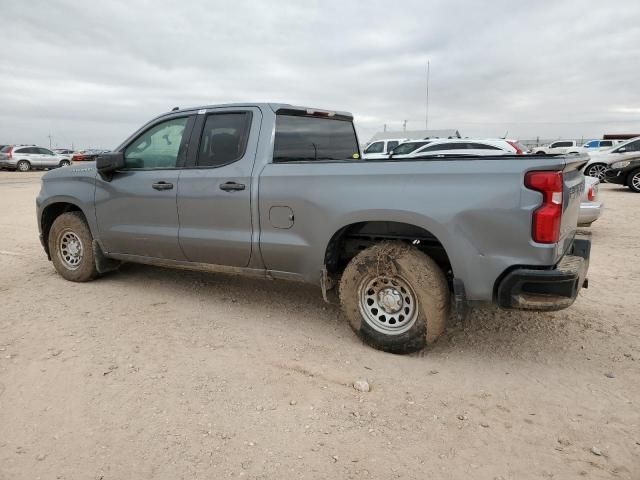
(573, 187)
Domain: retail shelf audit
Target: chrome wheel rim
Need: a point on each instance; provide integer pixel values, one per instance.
(388, 304)
(70, 249)
(23, 166)
(635, 181)
(597, 171)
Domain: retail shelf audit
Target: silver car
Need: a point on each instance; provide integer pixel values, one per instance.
(28, 157)
(590, 205)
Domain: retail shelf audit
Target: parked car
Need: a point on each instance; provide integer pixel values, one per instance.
(595, 146)
(466, 146)
(407, 147)
(561, 146)
(25, 158)
(599, 162)
(64, 151)
(280, 191)
(590, 205)
(87, 155)
(625, 172)
(381, 148)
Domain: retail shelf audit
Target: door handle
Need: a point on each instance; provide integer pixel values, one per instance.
(232, 186)
(162, 186)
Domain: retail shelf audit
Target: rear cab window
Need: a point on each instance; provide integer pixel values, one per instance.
(301, 138)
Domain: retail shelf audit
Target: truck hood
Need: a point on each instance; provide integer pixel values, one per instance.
(85, 170)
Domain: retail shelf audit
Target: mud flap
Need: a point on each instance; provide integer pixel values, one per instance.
(103, 263)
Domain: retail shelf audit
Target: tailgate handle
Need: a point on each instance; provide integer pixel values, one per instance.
(162, 186)
(232, 187)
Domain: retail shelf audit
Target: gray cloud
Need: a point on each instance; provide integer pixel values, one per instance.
(90, 74)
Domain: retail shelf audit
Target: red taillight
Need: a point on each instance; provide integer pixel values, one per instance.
(10, 153)
(591, 194)
(547, 217)
(516, 146)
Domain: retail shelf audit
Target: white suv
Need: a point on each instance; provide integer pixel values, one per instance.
(381, 148)
(27, 157)
(466, 146)
(600, 161)
(561, 146)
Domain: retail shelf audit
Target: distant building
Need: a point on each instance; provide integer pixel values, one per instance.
(416, 134)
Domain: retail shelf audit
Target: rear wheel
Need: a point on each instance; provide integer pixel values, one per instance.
(23, 166)
(596, 170)
(395, 297)
(633, 181)
(71, 249)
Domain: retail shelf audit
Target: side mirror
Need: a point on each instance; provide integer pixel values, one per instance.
(107, 163)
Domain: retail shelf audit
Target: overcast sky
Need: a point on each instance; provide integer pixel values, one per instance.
(89, 73)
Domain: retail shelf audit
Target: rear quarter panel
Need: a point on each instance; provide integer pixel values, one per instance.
(478, 209)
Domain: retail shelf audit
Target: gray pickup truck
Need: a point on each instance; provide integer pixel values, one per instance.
(280, 191)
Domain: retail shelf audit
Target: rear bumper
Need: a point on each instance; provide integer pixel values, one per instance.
(530, 288)
(589, 212)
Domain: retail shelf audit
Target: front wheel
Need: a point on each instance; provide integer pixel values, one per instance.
(71, 248)
(395, 297)
(64, 163)
(633, 181)
(596, 170)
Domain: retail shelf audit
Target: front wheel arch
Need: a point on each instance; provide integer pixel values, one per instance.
(49, 215)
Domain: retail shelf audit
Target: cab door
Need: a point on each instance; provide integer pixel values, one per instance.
(136, 209)
(215, 188)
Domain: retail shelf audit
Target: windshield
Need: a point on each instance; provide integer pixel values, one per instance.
(408, 147)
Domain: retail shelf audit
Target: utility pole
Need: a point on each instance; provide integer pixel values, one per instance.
(49, 139)
(426, 121)
(385, 128)
(404, 126)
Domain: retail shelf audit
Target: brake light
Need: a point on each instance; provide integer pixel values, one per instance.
(546, 218)
(591, 194)
(10, 153)
(516, 146)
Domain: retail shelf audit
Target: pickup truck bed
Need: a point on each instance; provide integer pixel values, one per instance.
(291, 198)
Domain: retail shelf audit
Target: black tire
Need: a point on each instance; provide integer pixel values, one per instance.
(633, 181)
(400, 264)
(541, 153)
(594, 170)
(66, 231)
(23, 166)
(64, 163)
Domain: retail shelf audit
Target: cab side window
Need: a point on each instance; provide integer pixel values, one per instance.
(224, 139)
(159, 147)
(633, 146)
(377, 147)
(391, 145)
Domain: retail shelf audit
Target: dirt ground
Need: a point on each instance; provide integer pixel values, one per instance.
(152, 373)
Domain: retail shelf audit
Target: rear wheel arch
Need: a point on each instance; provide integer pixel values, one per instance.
(351, 239)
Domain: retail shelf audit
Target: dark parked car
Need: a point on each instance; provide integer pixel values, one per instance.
(625, 172)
